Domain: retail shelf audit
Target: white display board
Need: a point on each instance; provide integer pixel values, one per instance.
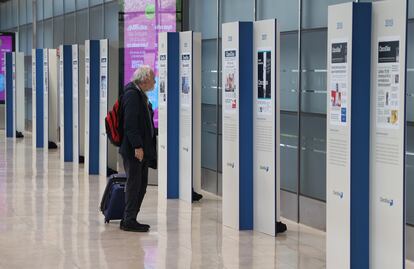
(163, 115)
(190, 114)
(388, 134)
(112, 96)
(81, 98)
(348, 120)
(266, 137)
(237, 96)
(61, 105)
(34, 113)
(45, 98)
(87, 106)
(103, 105)
(75, 102)
(53, 96)
(19, 85)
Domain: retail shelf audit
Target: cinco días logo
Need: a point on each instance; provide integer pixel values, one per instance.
(388, 201)
(340, 194)
(230, 164)
(162, 146)
(264, 167)
(185, 149)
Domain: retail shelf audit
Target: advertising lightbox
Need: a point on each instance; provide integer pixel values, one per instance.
(143, 20)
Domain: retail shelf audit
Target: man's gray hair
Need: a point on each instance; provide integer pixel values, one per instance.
(141, 74)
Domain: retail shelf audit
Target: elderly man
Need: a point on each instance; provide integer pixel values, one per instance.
(138, 147)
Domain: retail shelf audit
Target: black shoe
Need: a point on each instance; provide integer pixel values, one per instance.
(144, 225)
(280, 227)
(139, 224)
(133, 227)
(197, 197)
(52, 145)
(19, 134)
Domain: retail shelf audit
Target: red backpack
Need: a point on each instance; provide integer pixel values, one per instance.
(114, 123)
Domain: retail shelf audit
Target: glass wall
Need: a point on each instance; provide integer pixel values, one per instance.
(303, 48)
(56, 22)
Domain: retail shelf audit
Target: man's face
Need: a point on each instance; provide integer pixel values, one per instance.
(149, 83)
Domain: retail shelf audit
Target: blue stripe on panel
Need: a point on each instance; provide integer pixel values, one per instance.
(173, 109)
(68, 99)
(246, 125)
(94, 108)
(9, 94)
(360, 134)
(39, 99)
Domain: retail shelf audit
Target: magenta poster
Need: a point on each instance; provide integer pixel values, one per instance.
(6, 45)
(143, 20)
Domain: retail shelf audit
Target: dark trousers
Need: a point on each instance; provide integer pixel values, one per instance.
(136, 187)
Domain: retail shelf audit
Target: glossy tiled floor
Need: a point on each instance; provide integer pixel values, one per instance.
(49, 218)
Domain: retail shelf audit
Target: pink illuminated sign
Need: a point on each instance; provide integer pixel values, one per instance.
(143, 20)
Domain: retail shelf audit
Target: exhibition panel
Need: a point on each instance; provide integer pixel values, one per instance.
(110, 68)
(14, 93)
(79, 83)
(348, 123)
(92, 149)
(266, 136)
(237, 81)
(66, 107)
(190, 114)
(71, 93)
(40, 98)
(53, 96)
(168, 116)
(388, 130)
(10, 95)
(99, 155)
(103, 105)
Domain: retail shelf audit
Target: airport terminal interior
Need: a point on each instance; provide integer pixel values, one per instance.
(52, 180)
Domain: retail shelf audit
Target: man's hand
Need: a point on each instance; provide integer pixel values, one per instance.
(139, 154)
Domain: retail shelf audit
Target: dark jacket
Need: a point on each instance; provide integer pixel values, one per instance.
(137, 125)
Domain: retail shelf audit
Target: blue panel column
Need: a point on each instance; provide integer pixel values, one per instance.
(360, 134)
(9, 95)
(94, 108)
(173, 112)
(39, 99)
(68, 100)
(245, 126)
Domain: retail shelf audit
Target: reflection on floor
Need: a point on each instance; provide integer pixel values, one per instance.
(49, 218)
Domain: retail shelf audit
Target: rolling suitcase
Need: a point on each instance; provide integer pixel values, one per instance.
(113, 200)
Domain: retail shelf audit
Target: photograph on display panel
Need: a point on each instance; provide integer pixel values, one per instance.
(230, 66)
(388, 85)
(339, 83)
(264, 76)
